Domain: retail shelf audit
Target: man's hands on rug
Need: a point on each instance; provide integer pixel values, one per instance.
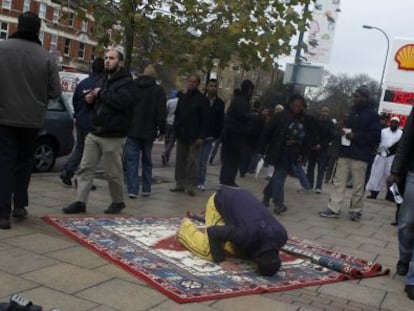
(229, 265)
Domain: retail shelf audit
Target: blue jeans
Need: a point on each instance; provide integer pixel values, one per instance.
(298, 171)
(133, 148)
(204, 154)
(406, 227)
(275, 187)
(74, 160)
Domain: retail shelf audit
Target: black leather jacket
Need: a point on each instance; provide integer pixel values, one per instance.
(404, 157)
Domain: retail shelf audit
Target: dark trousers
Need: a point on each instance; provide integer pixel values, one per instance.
(16, 164)
(169, 141)
(231, 149)
(186, 164)
(74, 160)
(318, 158)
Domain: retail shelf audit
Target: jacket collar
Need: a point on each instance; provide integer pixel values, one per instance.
(26, 35)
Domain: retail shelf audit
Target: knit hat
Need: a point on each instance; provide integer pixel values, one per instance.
(268, 263)
(29, 22)
(395, 119)
(363, 91)
(150, 71)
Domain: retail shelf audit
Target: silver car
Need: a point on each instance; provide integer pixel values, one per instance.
(56, 137)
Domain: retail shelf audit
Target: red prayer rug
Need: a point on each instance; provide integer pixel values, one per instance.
(146, 247)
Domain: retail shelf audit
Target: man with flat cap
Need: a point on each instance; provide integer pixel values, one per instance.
(238, 224)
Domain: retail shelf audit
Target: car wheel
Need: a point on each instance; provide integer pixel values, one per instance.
(44, 156)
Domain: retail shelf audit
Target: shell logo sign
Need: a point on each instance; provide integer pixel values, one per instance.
(405, 57)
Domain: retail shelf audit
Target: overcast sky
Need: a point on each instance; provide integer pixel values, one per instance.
(357, 50)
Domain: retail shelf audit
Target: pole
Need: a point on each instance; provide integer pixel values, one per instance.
(385, 62)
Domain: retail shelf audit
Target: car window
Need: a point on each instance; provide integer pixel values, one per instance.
(56, 104)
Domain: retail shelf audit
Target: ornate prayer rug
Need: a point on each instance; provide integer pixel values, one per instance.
(146, 247)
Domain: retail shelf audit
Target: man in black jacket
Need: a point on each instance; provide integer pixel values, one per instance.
(404, 164)
(191, 129)
(236, 222)
(215, 125)
(112, 105)
(283, 143)
(148, 122)
(237, 125)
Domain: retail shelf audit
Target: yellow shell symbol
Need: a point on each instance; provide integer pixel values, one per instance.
(405, 57)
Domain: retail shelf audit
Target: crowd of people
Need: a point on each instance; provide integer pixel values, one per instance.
(118, 119)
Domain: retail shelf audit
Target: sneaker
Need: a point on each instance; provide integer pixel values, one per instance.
(146, 194)
(355, 216)
(278, 209)
(402, 268)
(20, 303)
(201, 188)
(20, 212)
(115, 208)
(75, 208)
(65, 179)
(132, 196)
(328, 213)
(409, 289)
(5, 223)
(318, 191)
(177, 189)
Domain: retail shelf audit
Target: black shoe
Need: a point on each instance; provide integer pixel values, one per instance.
(266, 201)
(191, 192)
(75, 208)
(20, 212)
(5, 223)
(93, 188)
(394, 223)
(177, 189)
(115, 208)
(409, 289)
(355, 216)
(66, 179)
(402, 268)
(278, 209)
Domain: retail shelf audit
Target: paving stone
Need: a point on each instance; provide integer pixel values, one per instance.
(103, 308)
(40, 243)
(80, 256)
(254, 302)
(4, 246)
(17, 261)
(352, 291)
(123, 295)
(170, 305)
(365, 240)
(116, 272)
(66, 278)
(49, 298)
(11, 284)
(18, 229)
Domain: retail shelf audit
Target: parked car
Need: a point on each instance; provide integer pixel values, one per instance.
(56, 137)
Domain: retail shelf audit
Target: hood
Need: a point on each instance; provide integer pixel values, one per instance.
(145, 81)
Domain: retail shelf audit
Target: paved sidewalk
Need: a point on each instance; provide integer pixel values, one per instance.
(52, 270)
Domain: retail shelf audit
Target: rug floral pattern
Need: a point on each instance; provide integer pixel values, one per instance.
(146, 247)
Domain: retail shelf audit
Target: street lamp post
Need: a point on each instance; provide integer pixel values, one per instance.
(386, 57)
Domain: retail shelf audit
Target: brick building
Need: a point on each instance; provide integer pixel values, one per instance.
(63, 33)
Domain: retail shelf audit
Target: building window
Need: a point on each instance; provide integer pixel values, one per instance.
(85, 26)
(6, 4)
(26, 5)
(71, 19)
(67, 47)
(56, 13)
(81, 52)
(41, 36)
(42, 10)
(4, 30)
(53, 43)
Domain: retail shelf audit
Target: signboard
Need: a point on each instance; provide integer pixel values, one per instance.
(322, 30)
(307, 75)
(398, 90)
(68, 82)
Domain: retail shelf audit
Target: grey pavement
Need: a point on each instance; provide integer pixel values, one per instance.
(53, 270)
